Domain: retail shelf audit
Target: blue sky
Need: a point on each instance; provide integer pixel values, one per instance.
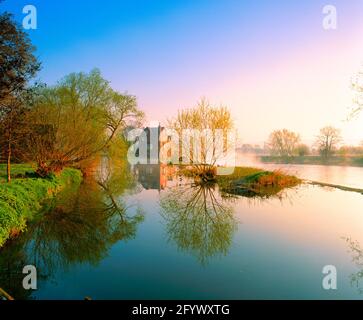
(246, 54)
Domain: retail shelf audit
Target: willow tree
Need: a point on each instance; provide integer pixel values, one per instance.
(76, 120)
(205, 137)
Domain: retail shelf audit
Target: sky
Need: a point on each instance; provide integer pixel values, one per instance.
(271, 62)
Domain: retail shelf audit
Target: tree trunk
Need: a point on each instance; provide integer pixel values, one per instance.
(8, 166)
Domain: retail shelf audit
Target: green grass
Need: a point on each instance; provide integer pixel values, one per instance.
(248, 181)
(253, 182)
(23, 197)
(16, 170)
(238, 173)
(257, 176)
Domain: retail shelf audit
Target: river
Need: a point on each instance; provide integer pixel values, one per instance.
(151, 234)
(338, 175)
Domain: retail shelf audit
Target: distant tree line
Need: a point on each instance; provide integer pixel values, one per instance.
(285, 143)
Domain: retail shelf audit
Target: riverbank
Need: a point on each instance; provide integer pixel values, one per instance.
(353, 161)
(24, 196)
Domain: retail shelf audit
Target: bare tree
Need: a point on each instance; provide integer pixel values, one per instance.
(283, 142)
(327, 140)
(357, 86)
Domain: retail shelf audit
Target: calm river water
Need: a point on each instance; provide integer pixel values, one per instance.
(338, 175)
(150, 234)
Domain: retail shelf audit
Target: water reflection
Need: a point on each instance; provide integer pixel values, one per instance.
(356, 251)
(154, 176)
(340, 175)
(198, 220)
(78, 226)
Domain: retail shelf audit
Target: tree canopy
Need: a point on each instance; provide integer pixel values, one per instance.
(18, 63)
(76, 119)
(17, 66)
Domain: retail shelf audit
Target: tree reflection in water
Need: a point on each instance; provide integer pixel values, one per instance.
(78, 226)
(357, 258)
(198, 220)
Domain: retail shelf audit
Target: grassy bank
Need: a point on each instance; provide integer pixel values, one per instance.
(356, 161)
(23, 197)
